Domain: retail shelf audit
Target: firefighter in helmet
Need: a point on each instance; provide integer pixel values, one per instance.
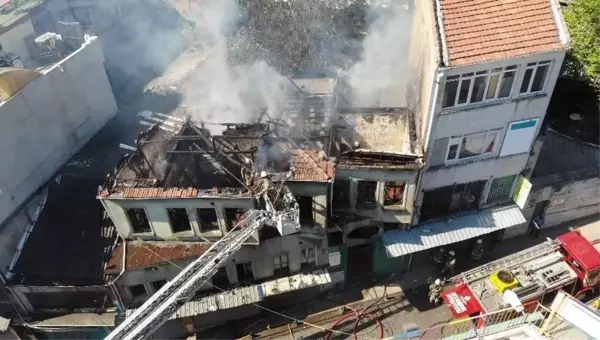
(477, 252)
(435, 291)
(450, 263)
(439, 258)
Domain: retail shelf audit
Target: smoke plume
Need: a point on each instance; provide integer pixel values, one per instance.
(379, 79)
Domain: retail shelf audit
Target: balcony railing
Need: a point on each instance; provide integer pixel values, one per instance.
(546, 323)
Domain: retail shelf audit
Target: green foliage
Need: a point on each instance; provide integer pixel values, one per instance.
(583, 20)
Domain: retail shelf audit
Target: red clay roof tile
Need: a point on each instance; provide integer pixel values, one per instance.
(309, 167)
(485, 30)
(148, 254)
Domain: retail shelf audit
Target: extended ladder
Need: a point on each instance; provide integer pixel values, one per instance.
(160, 306)
(506, 262)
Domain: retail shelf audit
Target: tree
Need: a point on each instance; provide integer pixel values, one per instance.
(583, 20)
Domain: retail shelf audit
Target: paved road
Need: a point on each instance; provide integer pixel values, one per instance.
(406, 308)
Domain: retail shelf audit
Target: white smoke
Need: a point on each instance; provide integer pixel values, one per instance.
(217, 92)
(379, 79)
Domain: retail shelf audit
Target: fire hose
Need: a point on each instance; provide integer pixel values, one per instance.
(359, 315)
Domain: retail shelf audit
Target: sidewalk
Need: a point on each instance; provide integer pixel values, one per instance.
(403, 299)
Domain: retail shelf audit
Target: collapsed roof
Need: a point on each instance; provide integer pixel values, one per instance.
(193, 163)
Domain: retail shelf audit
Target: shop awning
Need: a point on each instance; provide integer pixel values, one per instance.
(459, 228)
(461, 301)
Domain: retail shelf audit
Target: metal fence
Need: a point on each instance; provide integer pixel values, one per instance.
(541, 318)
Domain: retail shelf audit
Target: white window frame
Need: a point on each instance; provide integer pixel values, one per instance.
(501, 71)
(459, 139)
(393, 206)
(304, 255)
(535, 67)
(279, 257)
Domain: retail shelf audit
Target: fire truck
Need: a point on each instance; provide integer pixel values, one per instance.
(571, 263)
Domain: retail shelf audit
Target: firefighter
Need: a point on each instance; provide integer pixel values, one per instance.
(435, 292)
(439, 258)
(477, 252)
(450, 263)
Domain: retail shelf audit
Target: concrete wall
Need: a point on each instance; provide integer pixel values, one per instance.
(13, 40)
(319, 191)
(571, 195)
(424, 58)
(44, 124)
(261, 258)
(480, 117)
(156, 211)
(87, 305)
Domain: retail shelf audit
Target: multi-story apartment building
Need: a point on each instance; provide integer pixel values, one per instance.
(484, 75)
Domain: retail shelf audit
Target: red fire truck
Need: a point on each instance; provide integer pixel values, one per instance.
(571, 263)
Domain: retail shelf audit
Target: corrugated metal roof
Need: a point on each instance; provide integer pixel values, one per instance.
(296, 282)
(434, 234)
(79, 320)
(251, 294)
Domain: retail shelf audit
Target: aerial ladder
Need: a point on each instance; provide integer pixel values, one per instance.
(160, 306)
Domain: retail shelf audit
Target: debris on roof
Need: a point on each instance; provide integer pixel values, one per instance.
(375, 138)
(478, 31)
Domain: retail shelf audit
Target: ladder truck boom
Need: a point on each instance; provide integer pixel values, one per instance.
(548, 247)
(160, 306)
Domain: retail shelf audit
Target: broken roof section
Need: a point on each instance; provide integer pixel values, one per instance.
(192, 163)
(375, 137)
(485, 30)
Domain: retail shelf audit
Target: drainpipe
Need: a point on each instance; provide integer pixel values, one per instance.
(25, 236)
(112, 284)
(432, 105)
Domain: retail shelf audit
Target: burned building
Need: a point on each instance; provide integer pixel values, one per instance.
(180, 192)
(376, 177)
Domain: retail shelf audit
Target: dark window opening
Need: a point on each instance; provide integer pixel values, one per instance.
(341, 194)
(179, 219)
(268, 232)
(207, 219)
(139, 220)
(157, 285)
(394, 193)
(281, 266)
(233, 216)
(451, 199)
(391, 226)
(305, 204)
(308, 259)
(335, 239)
(244, 272)
(526, 80)
(450, 92)
(506, 84)
(463, 93)
(220, 279)
(137, 291)
(364, 232)
(366, 194)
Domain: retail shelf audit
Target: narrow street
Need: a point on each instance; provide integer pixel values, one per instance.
(393, 308)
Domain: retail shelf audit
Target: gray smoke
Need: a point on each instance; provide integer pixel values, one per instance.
(217, 92)
(379, 79)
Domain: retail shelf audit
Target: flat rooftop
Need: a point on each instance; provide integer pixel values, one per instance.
(478, 31)
(375, 137)
(71, 240)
